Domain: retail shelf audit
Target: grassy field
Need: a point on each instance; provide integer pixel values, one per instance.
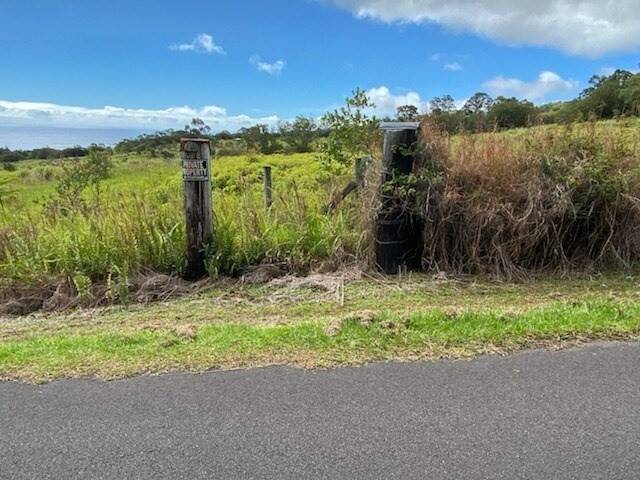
(137, 221)
(301, 322)
(506, 203)
(556, 205)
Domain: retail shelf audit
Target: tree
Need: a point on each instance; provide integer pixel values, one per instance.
(479, 102)
(197, 127)
(631, 96)
(407, 113)
(352, 133)
(602, 98)
(260, 139)
(613, 95)
(300, 133)
(444, 104)
(511, 112)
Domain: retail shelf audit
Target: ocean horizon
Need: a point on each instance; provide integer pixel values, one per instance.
(27, 138)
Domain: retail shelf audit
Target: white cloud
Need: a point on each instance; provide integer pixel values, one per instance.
(546, 84)
(203, 43)
(453, 67)
(386, 103)
(50, 114)
(447, 64)
(270, 68)
(582, 27)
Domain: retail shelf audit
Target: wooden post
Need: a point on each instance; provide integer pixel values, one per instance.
(361, 167)
(268, 189)
(195, 154)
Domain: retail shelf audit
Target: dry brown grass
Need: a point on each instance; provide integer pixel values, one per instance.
(53, 294)
(549, 199)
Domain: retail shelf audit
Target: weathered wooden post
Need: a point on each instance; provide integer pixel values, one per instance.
(396, 241)
(196, 173)
(268, 189)
(360, 170)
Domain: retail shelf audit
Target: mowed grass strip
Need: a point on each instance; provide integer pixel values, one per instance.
(381, 336)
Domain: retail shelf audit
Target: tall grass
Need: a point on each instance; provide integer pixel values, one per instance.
(502, 204)
(549, 198)
(139, 225)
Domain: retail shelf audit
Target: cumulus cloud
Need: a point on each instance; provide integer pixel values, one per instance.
(581, 27)
(546, 84)
(50, 114)
(203, 43)
(386, 103)
(266, 67)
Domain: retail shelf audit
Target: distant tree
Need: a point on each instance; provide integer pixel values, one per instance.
(197, 127)
(300, 133)
(444, 104)
(511, 113)
(224, 135)
(407, 113)
(475, 112)
(610, 96)
(260, 139)
(631, 96)
(479, 102)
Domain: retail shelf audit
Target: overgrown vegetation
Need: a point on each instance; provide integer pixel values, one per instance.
(91, 230)
(102, 228)
(504, 204)
(548, 198)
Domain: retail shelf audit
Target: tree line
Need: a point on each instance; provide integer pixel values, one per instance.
(296, 136)
(46, 153)
(607, 96)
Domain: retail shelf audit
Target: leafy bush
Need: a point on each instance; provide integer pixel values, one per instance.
(81, 174)
(353, 133)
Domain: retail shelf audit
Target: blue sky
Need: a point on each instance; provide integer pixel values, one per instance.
(155, 63)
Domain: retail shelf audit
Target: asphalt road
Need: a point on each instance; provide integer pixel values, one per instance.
(538, 415)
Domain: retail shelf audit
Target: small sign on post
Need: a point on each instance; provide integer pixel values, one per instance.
(195, 154)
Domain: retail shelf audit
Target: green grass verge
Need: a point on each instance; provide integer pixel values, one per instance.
(429, 334)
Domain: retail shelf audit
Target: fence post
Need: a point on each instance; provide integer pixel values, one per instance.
(195, 154)
(396, 235)
(361, 166)
(268, 189)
